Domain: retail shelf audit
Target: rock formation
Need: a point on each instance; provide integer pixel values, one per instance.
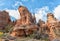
(26, 17)
(41, 25)
(42, 31)
(4, 19)
(51, 22)
(26, 23)
(50, 28)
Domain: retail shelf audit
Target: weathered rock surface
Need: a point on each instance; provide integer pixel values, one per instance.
(50, 28)
(4, 19)
(26, 17)
(26, 24)
(53, 26)
(41, 33)
(50, 23)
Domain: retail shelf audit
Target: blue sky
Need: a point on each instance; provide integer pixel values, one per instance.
(39, 7)
(30, 4)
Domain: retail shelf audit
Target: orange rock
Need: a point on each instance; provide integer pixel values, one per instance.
(26, 24)
(26, 17)
(51, 23)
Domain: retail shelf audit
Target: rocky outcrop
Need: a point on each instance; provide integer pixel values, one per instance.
(41, 25)
(26, 17)
(26, 24)
(50, 28)
(42, 31)
(4, 19)
(24, 30)
(51, 23)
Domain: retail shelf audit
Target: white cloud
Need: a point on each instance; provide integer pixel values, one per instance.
(17, 3)
(14, 13)
(57, 12)
(41, 13)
